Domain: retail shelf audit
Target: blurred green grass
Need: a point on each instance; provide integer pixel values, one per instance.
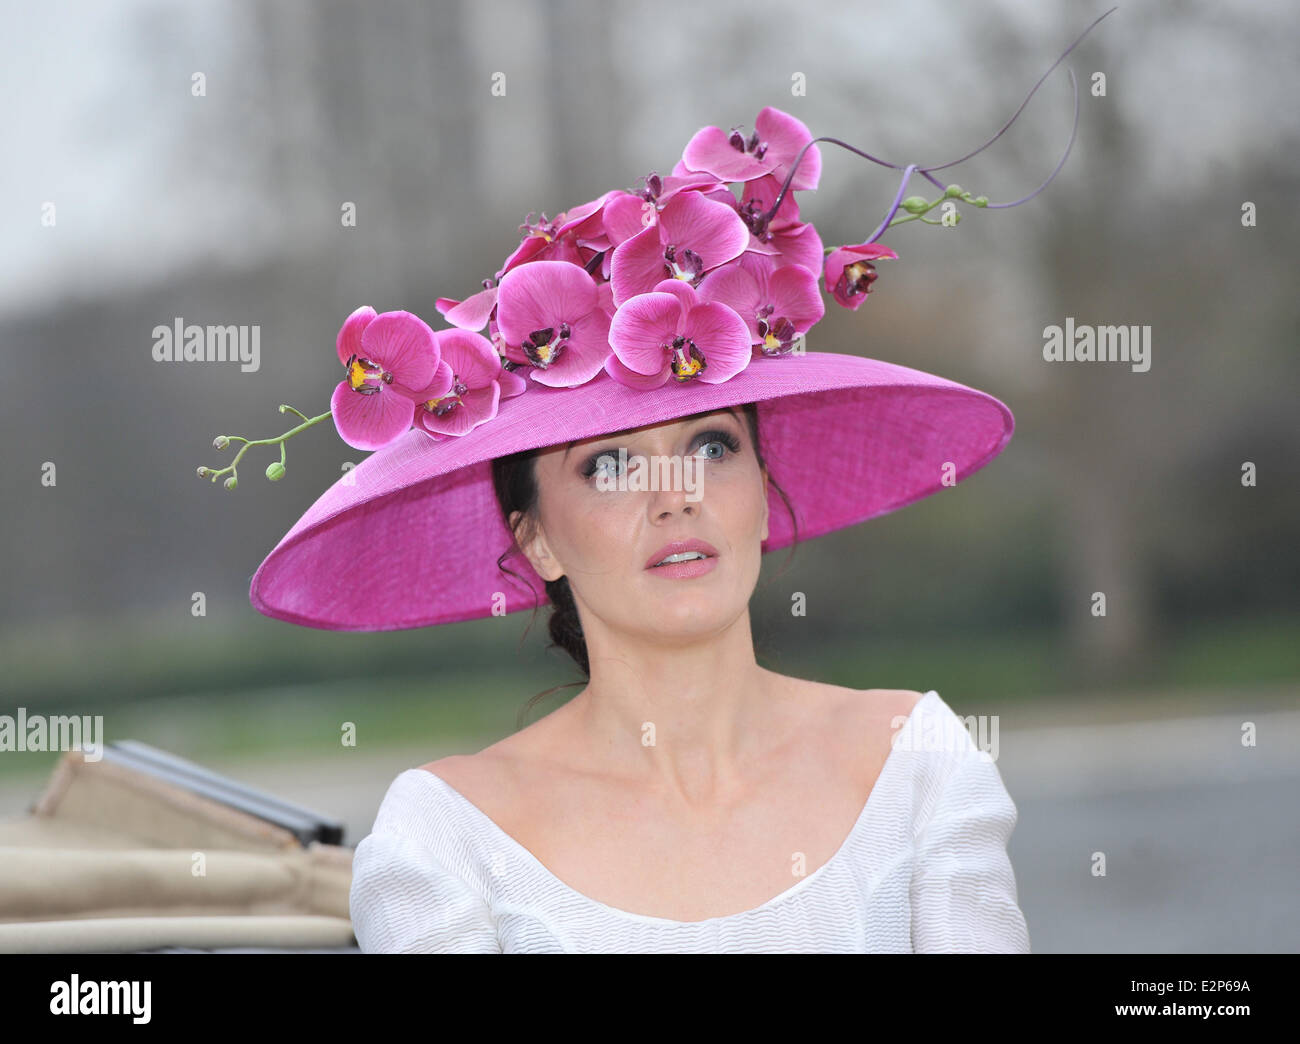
(149, 689)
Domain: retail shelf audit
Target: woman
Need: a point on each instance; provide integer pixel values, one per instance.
(686, 799)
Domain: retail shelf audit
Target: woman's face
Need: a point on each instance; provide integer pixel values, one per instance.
(603, 538)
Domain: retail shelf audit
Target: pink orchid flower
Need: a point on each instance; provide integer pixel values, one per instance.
(510, 383)
(543, 242)
(471, 313)
(574, 235)
(670, 331)
(784, 236)
(849, 272)
(659, 190)
(475, 390)
(777, 304)
(771, 149)
(389, 358)
(553, 316)
(511, 377)
(627, 213)
(691, 235)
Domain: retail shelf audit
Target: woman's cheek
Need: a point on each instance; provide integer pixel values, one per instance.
(739, 493)
(605, 526)
(606, 504)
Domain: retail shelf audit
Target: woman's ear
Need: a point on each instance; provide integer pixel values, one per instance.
(535, 548)
(766, 511)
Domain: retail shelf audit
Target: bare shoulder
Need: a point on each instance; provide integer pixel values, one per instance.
(864, 716)
(894, 702)
(855, 716)
(454, 768)
(486, 781)
(496, 777)
(873, 703)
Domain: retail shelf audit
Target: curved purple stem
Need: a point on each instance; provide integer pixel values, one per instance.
(898, 202)
(1068, 145)
(785, 185)
(925, 171)
(1009, 122)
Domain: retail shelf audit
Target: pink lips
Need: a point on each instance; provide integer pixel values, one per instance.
(692, 567)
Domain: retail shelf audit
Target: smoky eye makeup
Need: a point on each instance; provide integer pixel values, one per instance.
(721, 435)
(701, 438)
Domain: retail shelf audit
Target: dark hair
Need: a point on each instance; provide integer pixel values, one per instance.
(514, 478)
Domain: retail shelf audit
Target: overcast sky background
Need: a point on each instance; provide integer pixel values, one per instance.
(96, 96)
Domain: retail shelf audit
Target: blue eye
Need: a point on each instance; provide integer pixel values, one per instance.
(714, 438)
(604, 460)
(608, 460)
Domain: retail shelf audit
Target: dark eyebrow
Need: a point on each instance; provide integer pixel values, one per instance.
(693, 416)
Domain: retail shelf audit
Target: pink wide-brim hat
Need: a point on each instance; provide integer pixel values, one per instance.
(412, 535)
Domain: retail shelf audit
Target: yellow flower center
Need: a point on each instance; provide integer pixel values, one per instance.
(357, 374)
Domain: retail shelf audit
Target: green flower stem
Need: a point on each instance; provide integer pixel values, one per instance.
(250, 443)
(952, 192)
(900, 218)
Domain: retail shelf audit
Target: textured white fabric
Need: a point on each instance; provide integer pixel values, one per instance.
(924, 869)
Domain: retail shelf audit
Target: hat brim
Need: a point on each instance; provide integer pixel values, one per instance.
(412, 535)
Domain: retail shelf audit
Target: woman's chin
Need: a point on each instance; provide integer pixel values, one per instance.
(688, 612)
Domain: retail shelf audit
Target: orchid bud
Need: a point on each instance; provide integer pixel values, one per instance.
(275, 471)
(203, 472)
(952, 191)
(980, 201)
(231, 482)
(220, 442)
(915, 204)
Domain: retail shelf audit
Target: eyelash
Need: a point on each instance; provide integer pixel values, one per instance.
(725, 437)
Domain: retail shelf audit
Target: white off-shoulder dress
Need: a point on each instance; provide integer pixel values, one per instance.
(924, 869)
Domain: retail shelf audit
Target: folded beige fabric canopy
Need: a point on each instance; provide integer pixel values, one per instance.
(114, 859)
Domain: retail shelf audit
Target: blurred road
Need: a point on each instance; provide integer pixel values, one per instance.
(1200, 834)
